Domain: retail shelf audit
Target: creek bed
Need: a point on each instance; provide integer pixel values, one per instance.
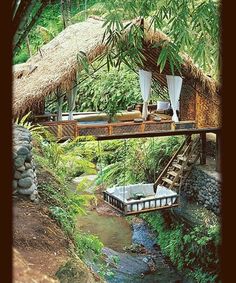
(133, 244)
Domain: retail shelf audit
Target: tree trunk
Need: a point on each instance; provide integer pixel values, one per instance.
(65, 11)
(28, 46)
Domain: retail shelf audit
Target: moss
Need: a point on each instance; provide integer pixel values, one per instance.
(74, 271)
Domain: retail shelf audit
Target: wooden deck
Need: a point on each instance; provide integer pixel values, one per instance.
(63, 130)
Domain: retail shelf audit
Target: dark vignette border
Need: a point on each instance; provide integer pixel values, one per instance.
(227, 143)
(5, 155)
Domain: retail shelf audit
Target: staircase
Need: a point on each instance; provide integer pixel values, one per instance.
(180, 165)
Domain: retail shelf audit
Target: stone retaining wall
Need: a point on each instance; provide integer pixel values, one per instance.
(25, 179)
(204, 187)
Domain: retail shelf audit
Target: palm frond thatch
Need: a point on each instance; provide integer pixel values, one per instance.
(55, 64)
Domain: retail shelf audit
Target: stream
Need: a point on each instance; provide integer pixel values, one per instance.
(130, 250)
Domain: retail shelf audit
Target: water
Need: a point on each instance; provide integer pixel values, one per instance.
(143, 236)
(116, 233)
(113, 231)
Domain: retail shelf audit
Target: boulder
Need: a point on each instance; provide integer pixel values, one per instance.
(22, 150)
(28, 191)
(25, 182)
(19, 161)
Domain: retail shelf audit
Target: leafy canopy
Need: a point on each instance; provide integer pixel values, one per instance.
(192, 26)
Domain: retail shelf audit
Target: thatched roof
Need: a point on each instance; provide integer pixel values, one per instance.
(56, 63)
(192, 75)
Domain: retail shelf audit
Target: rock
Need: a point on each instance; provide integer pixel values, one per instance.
(28, 146)
(22, 150)
(151, 263)
(28, 173)
(34, 195)
(25, 182)
(28, 157)
(28, 165)
(28, 191)
(36, 201)
(19, 161)
(14, 155)
(17, 175)
(21, 169)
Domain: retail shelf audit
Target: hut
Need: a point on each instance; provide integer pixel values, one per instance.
(55, 67)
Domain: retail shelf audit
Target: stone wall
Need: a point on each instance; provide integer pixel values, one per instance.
(25, 179)
(203, 186)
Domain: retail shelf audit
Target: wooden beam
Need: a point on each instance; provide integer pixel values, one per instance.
(203, 148)
(160, 134)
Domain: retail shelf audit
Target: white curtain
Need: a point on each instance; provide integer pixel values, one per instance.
(174, 87)
(71, 97)
(145, 79)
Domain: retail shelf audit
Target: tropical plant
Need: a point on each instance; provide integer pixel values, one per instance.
(192, 26)
(148, 155)
(50, 23)
(35, 130)
(109, 92)
(85, 243)
(194, 250)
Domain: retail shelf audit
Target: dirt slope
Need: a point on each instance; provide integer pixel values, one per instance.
(38, 238)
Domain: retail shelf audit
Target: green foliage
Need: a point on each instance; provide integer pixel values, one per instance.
(195, 250)
(54, 166)
(108, 91)
(50, 23)
(21, 56)
(149, 156)
(65, 219)
(36, 130)
(104, 271)
(193, 27)
(202, 277)
(85, 242)
(67, 160)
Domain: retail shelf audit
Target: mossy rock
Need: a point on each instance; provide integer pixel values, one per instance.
(74, 271)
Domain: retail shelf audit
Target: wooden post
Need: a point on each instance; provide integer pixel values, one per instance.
(203, 149)
(109, 129)
(142, 128)
(75, 130)
(218, 153)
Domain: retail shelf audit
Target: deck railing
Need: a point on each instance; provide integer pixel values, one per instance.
(141, 206)
(72, 129)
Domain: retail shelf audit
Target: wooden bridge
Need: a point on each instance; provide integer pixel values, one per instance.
(63, 130)
(71, 129)
(172, 176)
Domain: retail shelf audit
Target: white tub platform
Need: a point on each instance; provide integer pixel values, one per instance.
(138, 198)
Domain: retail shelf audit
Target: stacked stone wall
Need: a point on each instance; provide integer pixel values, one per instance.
(203, 187)
(25, 179)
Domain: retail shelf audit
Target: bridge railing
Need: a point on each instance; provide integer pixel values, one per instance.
(72, 129)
